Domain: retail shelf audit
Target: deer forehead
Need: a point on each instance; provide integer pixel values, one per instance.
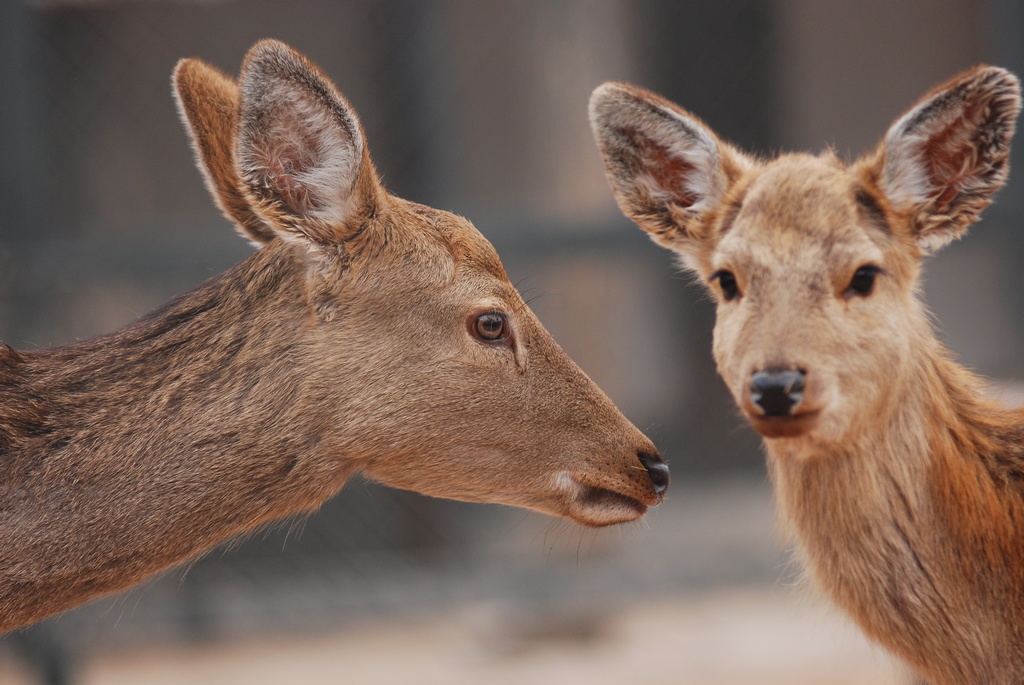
(470, 251)
(798, 213)
(431, 255)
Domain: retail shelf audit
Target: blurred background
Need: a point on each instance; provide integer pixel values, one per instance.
(479, 107)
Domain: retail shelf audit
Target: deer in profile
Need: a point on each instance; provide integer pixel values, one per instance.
(367, 334)
(902, 481)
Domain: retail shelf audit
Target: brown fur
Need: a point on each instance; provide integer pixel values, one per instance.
(345, 344)
(208, 100)
(903, 484)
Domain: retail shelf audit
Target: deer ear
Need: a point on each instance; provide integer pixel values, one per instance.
(943, 161)
(207, 102)
(301, 153)
(666, 168)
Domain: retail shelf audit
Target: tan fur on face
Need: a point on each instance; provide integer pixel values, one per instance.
(794, 315)
(902, 483)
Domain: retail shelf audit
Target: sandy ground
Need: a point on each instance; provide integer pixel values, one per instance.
(754, 637)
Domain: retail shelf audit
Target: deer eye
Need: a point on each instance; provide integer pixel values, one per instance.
(490, 327)
(727, 282)
(863, 281)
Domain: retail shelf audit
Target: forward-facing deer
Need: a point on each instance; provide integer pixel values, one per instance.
(902, 481)
(366, 335)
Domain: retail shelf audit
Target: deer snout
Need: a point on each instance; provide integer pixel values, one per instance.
(657, 469)
(777, 391)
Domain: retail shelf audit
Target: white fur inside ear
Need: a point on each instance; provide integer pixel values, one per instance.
(677, 159)
(686, 140)
(945, 158)
(905, 176)
(309, 152)
(699, 149)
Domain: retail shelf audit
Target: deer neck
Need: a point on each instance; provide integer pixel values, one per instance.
(904, 510)
(125, 454)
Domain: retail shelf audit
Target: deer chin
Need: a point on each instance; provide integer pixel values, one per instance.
(795, 426)
(594, 505)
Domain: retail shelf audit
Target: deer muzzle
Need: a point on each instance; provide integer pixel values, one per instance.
(657, 469)
(777, 404)
(776, 392)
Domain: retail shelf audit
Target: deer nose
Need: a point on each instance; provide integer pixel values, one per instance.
(777, 391)
(657, 469)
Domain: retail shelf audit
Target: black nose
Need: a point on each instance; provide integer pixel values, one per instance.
(777, 391)
(657, 469)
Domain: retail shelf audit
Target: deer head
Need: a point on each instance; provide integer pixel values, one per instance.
(813, 263)
(427, 370)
